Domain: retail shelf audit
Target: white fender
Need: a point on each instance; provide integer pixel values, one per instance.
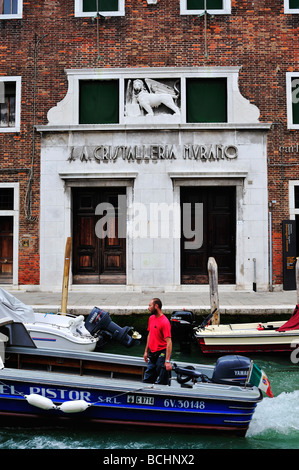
(74, 406)
(40, 402)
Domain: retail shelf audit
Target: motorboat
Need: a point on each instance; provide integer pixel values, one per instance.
(68, 387)
(66, 331)
(256, 337)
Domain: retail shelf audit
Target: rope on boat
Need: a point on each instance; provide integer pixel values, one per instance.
(72, 406)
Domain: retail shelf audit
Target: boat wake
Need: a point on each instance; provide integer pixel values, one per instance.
(276, 415)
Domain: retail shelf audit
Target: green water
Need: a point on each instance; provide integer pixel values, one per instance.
(275, 424)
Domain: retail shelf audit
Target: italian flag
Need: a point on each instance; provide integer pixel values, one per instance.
(258, 378)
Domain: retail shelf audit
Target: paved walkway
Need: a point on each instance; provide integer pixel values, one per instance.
(117, 302)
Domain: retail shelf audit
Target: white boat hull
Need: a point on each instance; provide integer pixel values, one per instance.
(247, 337)
(56, 331)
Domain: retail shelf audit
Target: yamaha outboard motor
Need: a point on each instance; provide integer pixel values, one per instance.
(231, 370)
(182, 324)
(99, 324)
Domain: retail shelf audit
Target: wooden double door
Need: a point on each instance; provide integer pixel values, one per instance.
(218, 234)
(99, 248)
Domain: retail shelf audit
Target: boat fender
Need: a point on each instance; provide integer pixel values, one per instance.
(40, 402)
(74, 406)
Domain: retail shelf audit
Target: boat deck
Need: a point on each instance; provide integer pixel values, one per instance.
(102, 370)
(76, 361)
(127, 385)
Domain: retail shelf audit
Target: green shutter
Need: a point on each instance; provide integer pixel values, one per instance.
(199, 4)
(207, 100)
(294, 4)
(99, 102)
(104, 5)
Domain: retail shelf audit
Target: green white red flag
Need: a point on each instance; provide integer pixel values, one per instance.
(258, 378)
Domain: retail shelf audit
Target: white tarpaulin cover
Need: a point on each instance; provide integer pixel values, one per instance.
(14, 308)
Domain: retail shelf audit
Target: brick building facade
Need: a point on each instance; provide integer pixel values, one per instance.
(74, 133)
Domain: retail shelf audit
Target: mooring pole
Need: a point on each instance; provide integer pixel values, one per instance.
(213, 282)
(297, 280)
(66, 272)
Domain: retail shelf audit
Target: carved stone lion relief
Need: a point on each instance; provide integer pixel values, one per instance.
(148, 97)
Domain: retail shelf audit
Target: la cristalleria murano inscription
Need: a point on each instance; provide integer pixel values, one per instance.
(155, 152)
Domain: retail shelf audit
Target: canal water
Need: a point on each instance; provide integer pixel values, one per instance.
(275, 424)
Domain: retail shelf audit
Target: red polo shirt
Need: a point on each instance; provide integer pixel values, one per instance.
(159, 329)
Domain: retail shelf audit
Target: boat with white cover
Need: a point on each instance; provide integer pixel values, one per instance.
(66, 331)
(46, 329)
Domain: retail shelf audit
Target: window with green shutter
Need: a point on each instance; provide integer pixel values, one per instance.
(104, 5)
(215, 7)
(206, 99)
(99, 102)
(294, 4)
(199, 4)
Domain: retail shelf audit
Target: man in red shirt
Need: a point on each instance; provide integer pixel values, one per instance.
(158, 346)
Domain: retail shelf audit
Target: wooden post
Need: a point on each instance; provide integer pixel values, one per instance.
(214, 298)
(66, 272)
(297, 279)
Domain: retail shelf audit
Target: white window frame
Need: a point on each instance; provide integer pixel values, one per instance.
(15, 16)
(17, 125)
(287, 8)
(289, 95)
(226, 10)
(15, 214)
(80, 13)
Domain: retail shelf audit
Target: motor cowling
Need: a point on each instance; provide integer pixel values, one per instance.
(231, 370)
(99, 322)
(182, 324)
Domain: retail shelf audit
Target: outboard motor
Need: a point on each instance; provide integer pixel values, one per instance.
(182, 324)
(99, 324)
(231, 370)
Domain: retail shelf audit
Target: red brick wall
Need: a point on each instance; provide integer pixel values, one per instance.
(257, 36)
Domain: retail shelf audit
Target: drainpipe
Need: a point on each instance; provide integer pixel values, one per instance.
(270, 249)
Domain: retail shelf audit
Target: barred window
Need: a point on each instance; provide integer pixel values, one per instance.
(7, 104)
(10, 103)
(6, 199)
